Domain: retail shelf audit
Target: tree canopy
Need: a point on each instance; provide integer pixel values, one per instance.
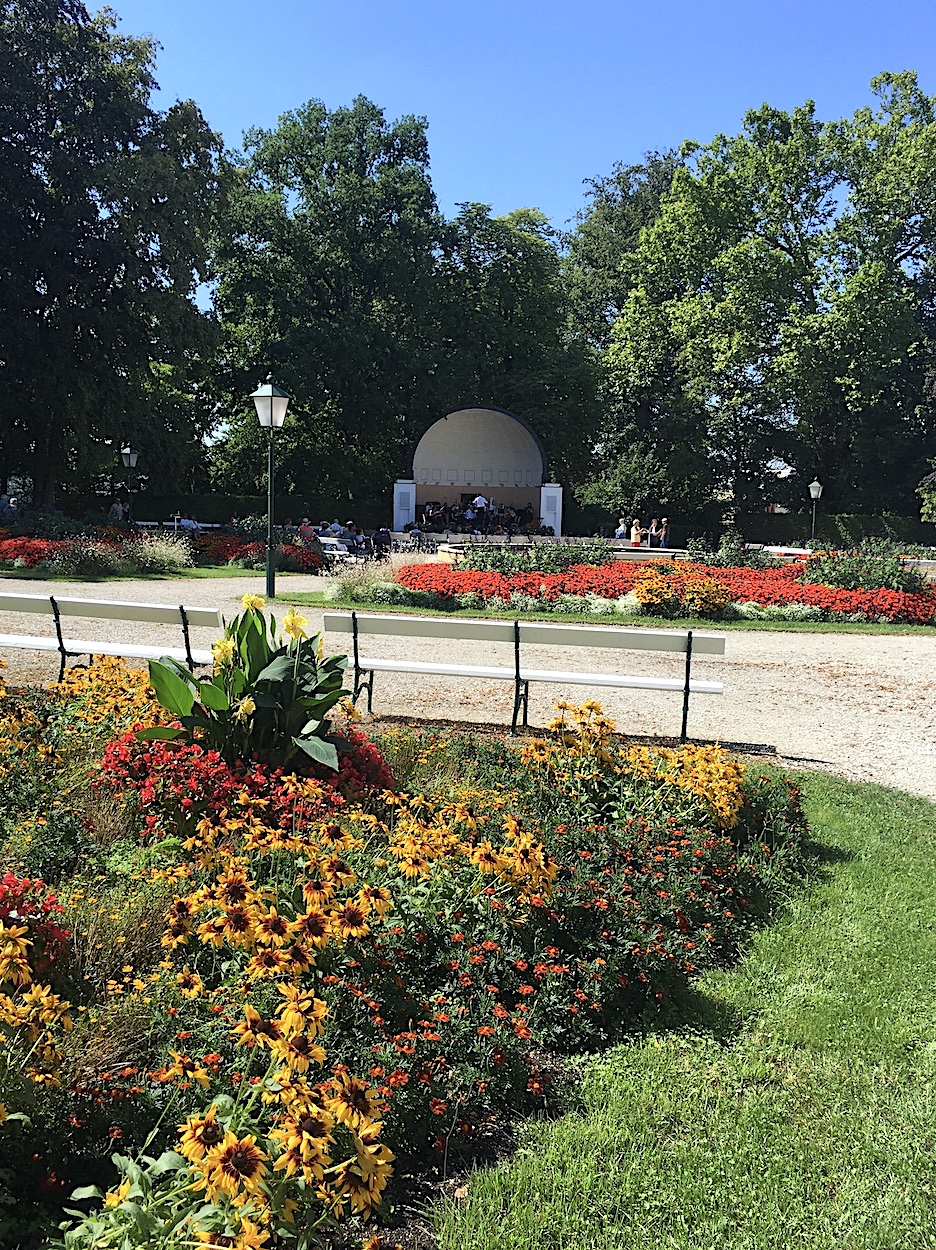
(779, 311)
(722, 324)
(105, 205)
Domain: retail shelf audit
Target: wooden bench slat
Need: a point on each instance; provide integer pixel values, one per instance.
(26, 643)
(541, 633)
(133, 650)
(618, 680)
(442, 670)
(532, 633)
(110, 609)
(97, 646)
(420, 627)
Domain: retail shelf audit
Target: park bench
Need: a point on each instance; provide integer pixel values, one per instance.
(519, 635)
(70, 648)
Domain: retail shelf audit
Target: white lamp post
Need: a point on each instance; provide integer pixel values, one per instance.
(271, 404)
(815, 491)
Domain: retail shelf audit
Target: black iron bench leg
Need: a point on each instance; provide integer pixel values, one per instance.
(521, 700)
(367, 683)
(685, 706)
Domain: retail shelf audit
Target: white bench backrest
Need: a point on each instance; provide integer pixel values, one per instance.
(532, 633)
(420, 627)
(540, 633)
(154, 613)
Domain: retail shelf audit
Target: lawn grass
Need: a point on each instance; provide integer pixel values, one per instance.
(319, 599)
(796, 1108)
(207, 571)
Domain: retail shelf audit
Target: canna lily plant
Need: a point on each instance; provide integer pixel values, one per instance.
(268, 699)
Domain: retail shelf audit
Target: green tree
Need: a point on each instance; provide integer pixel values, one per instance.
(595, 270)
(337, 268)
(327, 273)
(105, 206)
(507, 320)
(780, 306)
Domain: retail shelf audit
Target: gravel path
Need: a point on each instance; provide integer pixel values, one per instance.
(860, 705)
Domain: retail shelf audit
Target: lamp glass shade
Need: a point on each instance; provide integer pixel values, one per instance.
(815, 490)
(129, 457)
(271, 404)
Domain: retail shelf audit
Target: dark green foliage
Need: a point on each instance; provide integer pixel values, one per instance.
(535, 557)
(104, 212)
(267, 701)
(875, 564)
(731, 553)
(779, 312)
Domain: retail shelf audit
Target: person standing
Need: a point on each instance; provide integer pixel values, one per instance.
(637, 534)
(663, 532)
(621, 531)
(653, 533)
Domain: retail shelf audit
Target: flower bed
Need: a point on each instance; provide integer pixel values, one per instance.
(295, 980)
(773, 587)
(120, 551)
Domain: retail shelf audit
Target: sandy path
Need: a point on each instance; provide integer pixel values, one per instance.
(861, 705)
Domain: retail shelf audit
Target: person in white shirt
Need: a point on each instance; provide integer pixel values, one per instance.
(479, 502)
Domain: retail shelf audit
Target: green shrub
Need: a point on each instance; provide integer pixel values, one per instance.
(875, 564)
(535, 557)
(731, 553)
(268, 700)
(159, 553)
(87, 558)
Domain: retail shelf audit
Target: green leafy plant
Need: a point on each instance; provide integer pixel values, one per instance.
(267, 701)
(160, 553)
(535, 557)
(731, 553)
(875, 564)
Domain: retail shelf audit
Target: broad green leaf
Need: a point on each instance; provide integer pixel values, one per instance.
(277, 669)
(319, 750)
(174, 694)
(169, 1161)
(213, 696)
(159, 733)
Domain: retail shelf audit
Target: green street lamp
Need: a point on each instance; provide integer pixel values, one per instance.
(815, 492)
(271, 404)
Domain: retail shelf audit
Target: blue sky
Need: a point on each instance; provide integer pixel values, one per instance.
(527, 100)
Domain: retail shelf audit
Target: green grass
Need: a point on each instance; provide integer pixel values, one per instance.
(319, 599)
(208, 571)
(797, 1108)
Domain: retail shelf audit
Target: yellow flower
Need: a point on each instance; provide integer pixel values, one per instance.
(114, 1197)
(245, 709)
(223, 651)
(199, 1134)
(3, 1113)
(252, 603)
(190, 983)
(250, 1237)
(294, 624)
(234, 1164)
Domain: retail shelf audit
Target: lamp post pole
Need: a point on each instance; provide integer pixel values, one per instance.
(270, 551)
(271, 404)
(815, 491)
(129, 458)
